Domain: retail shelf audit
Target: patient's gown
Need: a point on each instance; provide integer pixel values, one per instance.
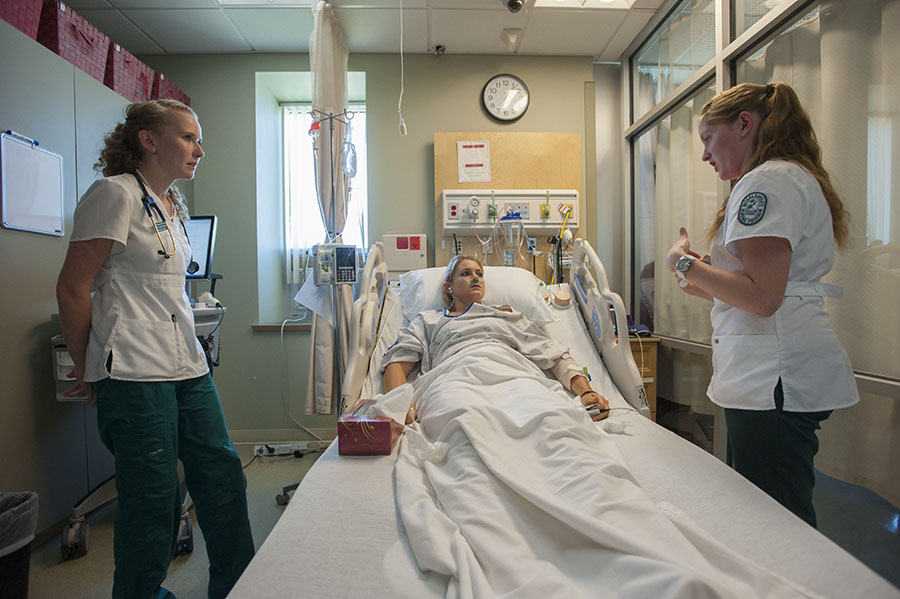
(532, 498)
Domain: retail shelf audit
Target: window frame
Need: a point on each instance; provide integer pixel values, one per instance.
(729, 49)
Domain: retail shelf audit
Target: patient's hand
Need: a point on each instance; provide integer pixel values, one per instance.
(596, 405)
(504, 308)
(411, 414)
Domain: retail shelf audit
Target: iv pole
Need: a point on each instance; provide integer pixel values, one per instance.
(338, 368)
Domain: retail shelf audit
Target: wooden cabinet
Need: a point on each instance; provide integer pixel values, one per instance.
(644, 350)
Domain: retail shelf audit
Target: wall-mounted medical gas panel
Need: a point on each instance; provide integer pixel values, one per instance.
(541, 211)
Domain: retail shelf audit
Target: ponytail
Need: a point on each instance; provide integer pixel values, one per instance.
(785, 133)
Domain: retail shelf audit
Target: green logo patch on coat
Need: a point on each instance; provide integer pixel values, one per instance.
(753, 208)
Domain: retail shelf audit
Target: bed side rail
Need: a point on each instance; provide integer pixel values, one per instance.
(364, 322)
(595, 299)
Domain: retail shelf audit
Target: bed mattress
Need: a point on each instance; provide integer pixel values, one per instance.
(342, 536)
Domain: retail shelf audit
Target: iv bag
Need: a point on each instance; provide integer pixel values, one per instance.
(348, 155)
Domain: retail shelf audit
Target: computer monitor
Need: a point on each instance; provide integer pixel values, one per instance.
(201, 232)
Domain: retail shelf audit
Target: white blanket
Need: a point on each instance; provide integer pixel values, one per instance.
(531, 499)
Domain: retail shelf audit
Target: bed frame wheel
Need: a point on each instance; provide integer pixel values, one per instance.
(284, 497)
(185, 541)
(75, 538)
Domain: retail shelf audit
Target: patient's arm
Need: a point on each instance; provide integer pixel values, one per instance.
(582, 388)
(395, 374)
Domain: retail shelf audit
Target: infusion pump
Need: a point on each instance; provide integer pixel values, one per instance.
(335, 264)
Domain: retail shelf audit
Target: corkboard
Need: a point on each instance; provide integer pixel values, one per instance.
(518, 161)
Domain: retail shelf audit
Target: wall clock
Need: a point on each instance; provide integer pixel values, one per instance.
(505, 97)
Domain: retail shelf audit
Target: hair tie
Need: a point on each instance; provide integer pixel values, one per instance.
(770, 89)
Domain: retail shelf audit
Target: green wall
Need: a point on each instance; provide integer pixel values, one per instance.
(48, 446)
(52, 447)
(441, 94)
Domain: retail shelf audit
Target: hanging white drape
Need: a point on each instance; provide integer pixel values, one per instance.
(328, 62)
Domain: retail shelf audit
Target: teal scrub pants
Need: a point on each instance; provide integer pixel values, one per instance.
(775, 450)
(147, 427)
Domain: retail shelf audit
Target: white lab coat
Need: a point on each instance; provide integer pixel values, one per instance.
(140, 312)
(797, 343)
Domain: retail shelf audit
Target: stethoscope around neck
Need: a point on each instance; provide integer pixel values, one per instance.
(160, 226)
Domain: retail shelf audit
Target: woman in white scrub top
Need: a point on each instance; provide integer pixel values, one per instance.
(129, 327)
(778, 367)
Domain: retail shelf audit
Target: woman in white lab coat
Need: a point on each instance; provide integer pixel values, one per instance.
(137, 356)
(778, 367)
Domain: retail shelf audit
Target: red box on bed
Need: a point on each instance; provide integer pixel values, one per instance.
(359, 434)
(66, 32)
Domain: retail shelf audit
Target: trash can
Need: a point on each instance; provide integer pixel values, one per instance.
(18, 521)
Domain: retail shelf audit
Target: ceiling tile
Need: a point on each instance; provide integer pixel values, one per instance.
(160, 4)
(121, 31)
(652, 5)
(190, 31)
(378, 30)
(345, 4)
(571, 31)
(274, 29)
(79, 5)
(462, 26)
(623, 37)
(473, 31)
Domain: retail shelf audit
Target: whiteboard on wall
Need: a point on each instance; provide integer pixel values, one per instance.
(31, 186)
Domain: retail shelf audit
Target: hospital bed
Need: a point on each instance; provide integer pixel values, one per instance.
(342, 534)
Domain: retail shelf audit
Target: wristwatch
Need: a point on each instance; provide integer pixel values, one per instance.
(684, 263)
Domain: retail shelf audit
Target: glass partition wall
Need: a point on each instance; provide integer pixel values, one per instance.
(840, 57)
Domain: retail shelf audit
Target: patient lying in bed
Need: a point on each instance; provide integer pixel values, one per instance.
(435, 335)
(508, 489)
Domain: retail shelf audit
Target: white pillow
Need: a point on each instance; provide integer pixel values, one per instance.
(420, 290)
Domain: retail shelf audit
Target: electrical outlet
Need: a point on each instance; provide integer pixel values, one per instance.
(530, 245)
(283, 449)
(565, 208)
(459, 246)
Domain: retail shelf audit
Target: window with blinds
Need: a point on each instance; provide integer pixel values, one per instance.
(302, 215)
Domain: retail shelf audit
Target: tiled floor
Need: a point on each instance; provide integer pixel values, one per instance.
(90, 576)
(858, 520)
(861, 522)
